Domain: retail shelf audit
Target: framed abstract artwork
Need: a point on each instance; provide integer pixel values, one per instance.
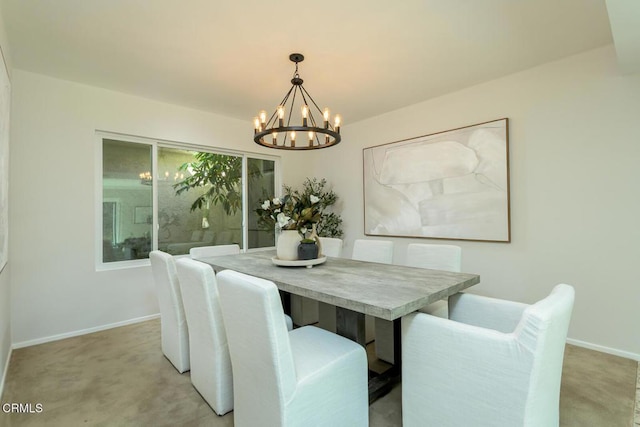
(447, 185)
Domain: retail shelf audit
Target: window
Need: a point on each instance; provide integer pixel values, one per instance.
(192, 196)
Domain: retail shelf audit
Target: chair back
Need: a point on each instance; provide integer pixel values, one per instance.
(211, 371)
(435, 257)
(543, 330)
(263, 367)
(331, 246)
(173, 324)
(476, 369)
(217, 250)
(373, 251)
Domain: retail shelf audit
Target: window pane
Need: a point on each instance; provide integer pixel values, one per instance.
(127, 200)
(214, 183)
(261, 186)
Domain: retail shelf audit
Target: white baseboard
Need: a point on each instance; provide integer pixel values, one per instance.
(83, 331)
(4, 373)
(603, 349)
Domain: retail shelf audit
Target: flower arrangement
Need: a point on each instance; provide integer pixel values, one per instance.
(300, 210)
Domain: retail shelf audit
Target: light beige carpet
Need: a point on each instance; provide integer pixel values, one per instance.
(119, 377)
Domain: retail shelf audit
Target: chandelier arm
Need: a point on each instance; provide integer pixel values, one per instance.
(314, 103)
(311, 119)
(293, 102)
(275, 113)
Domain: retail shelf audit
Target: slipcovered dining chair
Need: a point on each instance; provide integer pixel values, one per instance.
(435, 257)
(310, 311)
(331, 247)
(494, 362)
(210, 363)
(217, 250)
(372, 251)
(307, 376)
(420, 255)
(174, 332)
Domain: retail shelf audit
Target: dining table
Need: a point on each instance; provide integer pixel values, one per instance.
(356, 289)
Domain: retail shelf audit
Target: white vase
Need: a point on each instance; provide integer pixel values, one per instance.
(287, 245)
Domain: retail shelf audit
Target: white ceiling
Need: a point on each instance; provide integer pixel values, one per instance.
(362, 57)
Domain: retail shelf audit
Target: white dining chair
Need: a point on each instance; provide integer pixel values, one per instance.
(420, 255)
(435, 257)
(371, 250)
(174, 333)
(210, 362)
(306, 311)
(331, 247)
(217, 250)
(494, 362)
(307, 376)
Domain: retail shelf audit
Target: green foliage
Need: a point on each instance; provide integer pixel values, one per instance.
(330, 225)
(220, 177)
(300, 209)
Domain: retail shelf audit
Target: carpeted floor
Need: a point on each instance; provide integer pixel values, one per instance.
(120, 377)
(636, 418)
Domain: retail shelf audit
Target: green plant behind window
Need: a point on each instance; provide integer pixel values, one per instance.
(220, 176)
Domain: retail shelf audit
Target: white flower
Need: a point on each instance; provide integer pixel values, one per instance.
(314, 199)
(283, 220)
(266, 205)
(276, 201)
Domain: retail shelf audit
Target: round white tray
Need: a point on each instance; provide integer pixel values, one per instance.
(298, 262)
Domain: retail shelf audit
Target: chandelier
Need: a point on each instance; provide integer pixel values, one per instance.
(311, 134)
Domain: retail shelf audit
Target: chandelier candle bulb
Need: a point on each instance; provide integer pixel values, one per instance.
(311, 136)
(325, 114)
(337, 121)
(280, 115)
(305, 114)
(263, 118)
(275, 138)
(293, 138)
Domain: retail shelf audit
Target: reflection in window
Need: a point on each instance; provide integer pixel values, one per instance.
(126, 200)
(261, 185)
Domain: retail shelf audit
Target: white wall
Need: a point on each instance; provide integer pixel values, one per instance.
(55, 288)
(574, 156)
(5, 288)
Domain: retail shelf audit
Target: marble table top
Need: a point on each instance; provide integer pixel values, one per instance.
(380, 290)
